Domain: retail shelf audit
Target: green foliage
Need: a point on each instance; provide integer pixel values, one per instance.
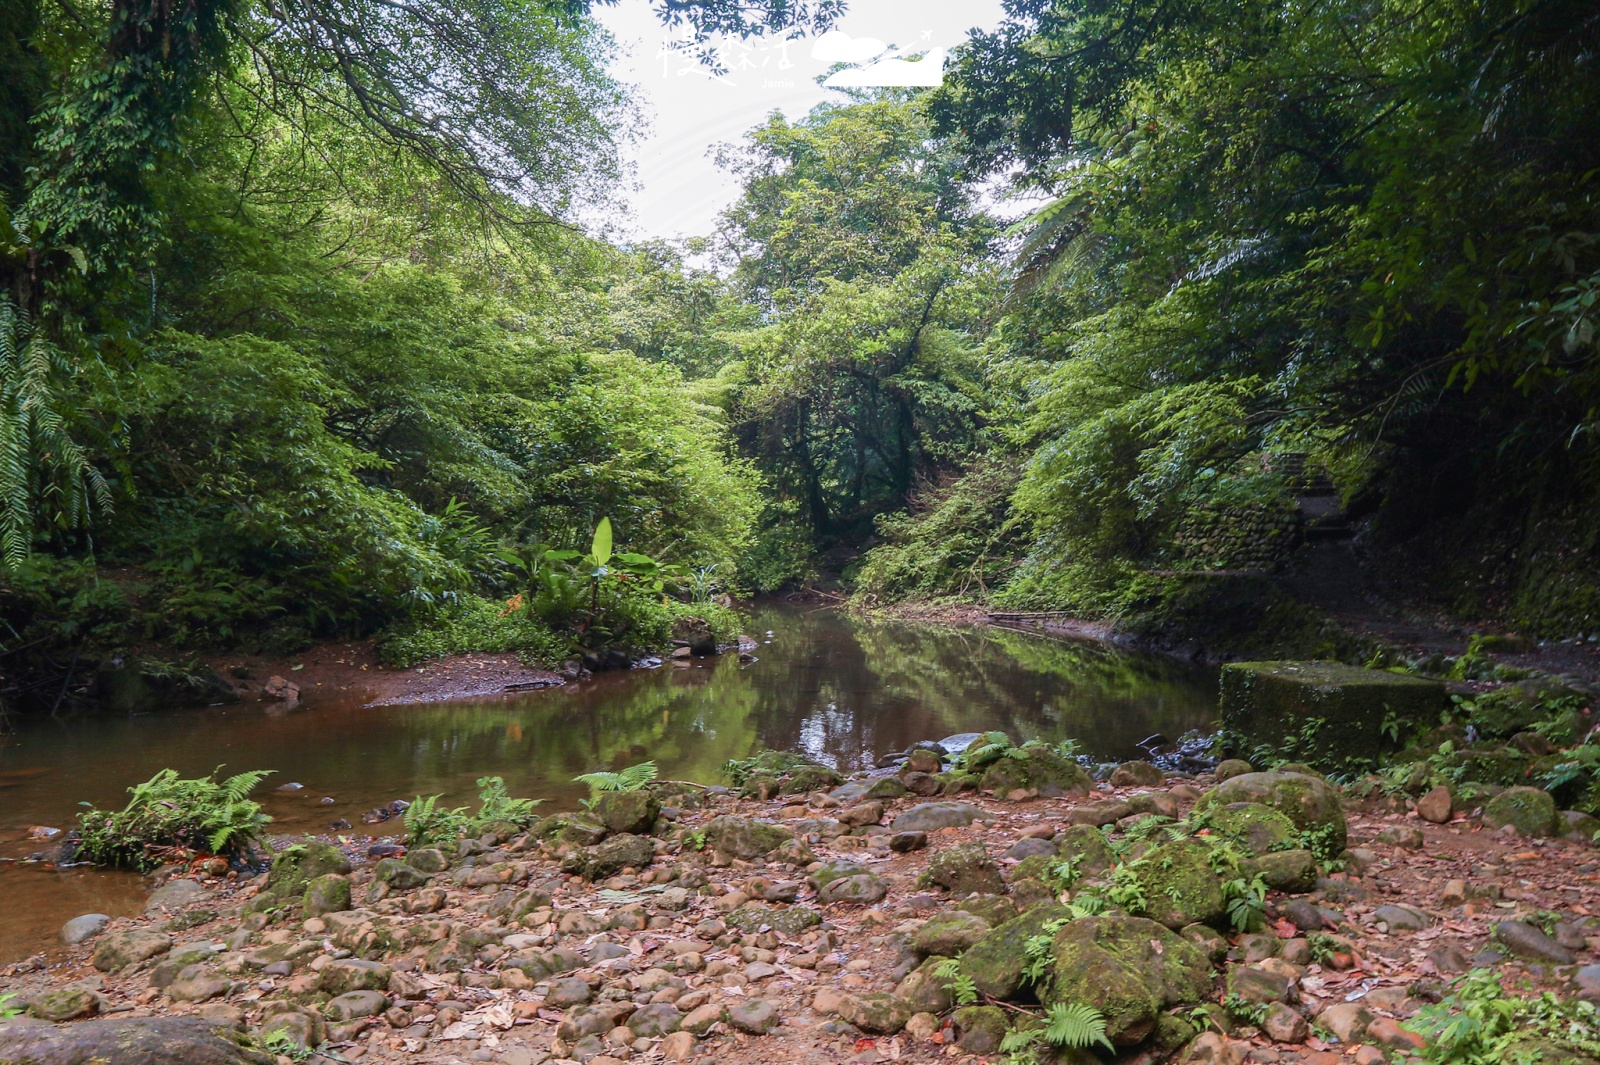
(1066, 1026)
(1247, 903)
(428, 823)
(6, 1009)
(472, 623)
(956, 980)
(168, 816)
(280, 1043)
(1479, 1023)
(633, 778)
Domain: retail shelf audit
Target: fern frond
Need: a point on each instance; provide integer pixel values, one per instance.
(1075, 1025)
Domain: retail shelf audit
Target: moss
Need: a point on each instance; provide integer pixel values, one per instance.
(1042, 770)
(1087, 848)
(296, 866)
(1272, 700)
(788, 920)
(982, 1028)
(1179, 886)
(1129, 969)
(1532, 811)
(966, 869)
(1259, 829)
(810, 778)
(996, 962)
(1309, 803)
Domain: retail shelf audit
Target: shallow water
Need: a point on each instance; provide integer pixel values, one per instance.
(841, 689)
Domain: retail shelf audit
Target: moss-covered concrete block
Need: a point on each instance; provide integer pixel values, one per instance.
(1267, 701)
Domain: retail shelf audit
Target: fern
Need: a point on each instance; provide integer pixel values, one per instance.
(8, 1011)
(168, 812)
(957, 982)
(497, 805)
(1074, 1025)
(630, 779)
(428, 823)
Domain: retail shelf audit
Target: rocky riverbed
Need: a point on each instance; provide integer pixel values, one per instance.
(807, 922)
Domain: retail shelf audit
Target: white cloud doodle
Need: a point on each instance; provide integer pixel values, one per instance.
(836, 46)
(892, 71)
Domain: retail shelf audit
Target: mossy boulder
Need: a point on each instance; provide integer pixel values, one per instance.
(1128, 968)
(129, 1041)
(1310, 804)
(1531, 810)
(1038, 769)
(118, 950)
(1292, 871)
(1258, 829)
(65, 1004)
(966, 869)
(326, 894)
(924, 990)
(810, 777)
(982, 1028)
(1545, 1051)
(1233, 767)
(296, 866)
(1495, 764)
(1274, 700)
(429, 859)
(1139, 774)
(611, 857)
(791, 921)
(399, 875)
(949, 934)
(876, 1012)
(996, 962)
(740, 837)
(1179, 886)
(633, 812)
(1086, 848)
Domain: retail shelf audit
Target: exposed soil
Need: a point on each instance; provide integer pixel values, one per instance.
(352, 670)
(1458, 877)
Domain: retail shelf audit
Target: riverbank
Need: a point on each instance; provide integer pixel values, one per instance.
(798, 929)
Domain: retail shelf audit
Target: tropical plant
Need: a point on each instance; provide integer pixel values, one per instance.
(1065, 1026)
(633, 778)
(170, 818)
(429, 823)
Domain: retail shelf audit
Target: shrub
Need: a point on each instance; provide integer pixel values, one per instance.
(170, 818)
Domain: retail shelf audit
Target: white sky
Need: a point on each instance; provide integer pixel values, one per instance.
(678, 190)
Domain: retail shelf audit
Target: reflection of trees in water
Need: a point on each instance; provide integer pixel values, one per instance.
(859, 688)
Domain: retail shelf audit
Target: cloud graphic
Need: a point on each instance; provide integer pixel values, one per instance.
(925, 72)
(836, 46)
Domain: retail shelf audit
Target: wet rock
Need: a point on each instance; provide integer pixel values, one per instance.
(117, 950)
(1179, 886)
(1310, 803)
(740, 837)
(632, 812)
(757, 1016)
(1128, 968)
(931, 816)
(353, 1005)
(1531, 810)
(982, 1028)
(127, 1041)
(1437, 806)
(298, 865)
(966, 869)
(1139, 774)
(949, 934)
(876, 1012)
(611, 857)
(85, 927)
(326, 894)
(1526, 941)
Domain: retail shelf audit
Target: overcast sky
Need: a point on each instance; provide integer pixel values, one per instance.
(679, 190)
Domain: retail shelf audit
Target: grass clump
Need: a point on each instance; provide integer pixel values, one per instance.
(169, 818)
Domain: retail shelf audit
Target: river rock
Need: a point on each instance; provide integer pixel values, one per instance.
(1233, 767)
(1437, 806)
(399, 875)
(931, 816)
(303, 1026)
(1042, 772)
(1527, 941)
(85, 927)
(174, 895)
(906, 842)
(1258, 829)
(655, 1020)
(1130, 969)
(863, 888)
(1346, 1020)
(1311, 804)
(1030, 848)
(64, 1004)
(1291, 871)
(922, 760)
(1101, 812)
(866, 813)
(127, 1041)
(353, 974)
(790, 921)
(876, 1012)
(353, 1005)
(740, 837)
(428, 860)
(1531, 810)
(195, 984)
(327, 894)
(633, 812)
(118, 950)
(966, 869)
(1402, 918)
(611, 857)
(298, 865)
(568, 991)
(995, 963)
(1259, 985)
(924, 990)
(757, 1016)
(1179, 886)
(1138, 774)
(949, 934)
(982, 1028)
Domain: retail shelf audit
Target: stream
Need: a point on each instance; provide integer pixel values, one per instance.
(842, 689)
